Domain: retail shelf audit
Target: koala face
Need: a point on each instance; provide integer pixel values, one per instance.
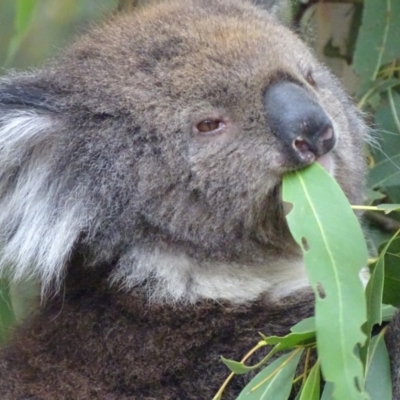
(158, 144)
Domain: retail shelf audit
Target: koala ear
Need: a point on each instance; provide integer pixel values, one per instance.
(37, 231)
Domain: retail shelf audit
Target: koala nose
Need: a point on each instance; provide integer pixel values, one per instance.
(296, 118)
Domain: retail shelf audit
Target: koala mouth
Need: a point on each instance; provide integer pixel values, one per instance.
(327, 162)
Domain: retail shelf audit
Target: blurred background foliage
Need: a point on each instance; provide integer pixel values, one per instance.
(31, 31)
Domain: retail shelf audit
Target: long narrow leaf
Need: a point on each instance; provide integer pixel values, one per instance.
(310, 390)
(325, 227)
(378, 382)
(275, 381)
(24, 13)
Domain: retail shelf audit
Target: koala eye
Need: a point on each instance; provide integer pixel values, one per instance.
(310, 78)
(209, 125)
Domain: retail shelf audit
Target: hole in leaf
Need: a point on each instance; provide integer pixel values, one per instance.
(287, 207)
(304, 243)
(320, 291)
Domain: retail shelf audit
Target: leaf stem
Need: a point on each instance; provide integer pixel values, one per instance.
(294, 353)
(232, 374)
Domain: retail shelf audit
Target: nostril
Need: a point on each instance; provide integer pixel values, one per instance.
(310, 146)
(305, 150)
(327, 133)
(325, 140)
(301, 145)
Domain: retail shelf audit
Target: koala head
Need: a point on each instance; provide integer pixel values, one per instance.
(157, 144)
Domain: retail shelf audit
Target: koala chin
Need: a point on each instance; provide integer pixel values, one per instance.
(140, 179)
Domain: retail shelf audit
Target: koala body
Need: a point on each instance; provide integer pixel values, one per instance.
(140, 183)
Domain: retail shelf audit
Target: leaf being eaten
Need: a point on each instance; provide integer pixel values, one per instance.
(334, 250)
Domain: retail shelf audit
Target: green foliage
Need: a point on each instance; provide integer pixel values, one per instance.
(377, 43)
(353, 364)
(389, 259)
(377, 62)
(274, 381)
(348, 359)
(311, 388)
(7, 315)
(24, 13)
(378, 382)
(34, 30)
(342, 254)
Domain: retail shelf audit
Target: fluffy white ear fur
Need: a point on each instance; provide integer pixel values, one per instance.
(36, 237)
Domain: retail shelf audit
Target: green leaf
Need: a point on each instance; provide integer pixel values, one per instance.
(385, 173)
(23, 17)
(291, 340)
(334, 252)
(374, 294)
(378, 381)
(236, 367)
(275, 381)
(391, 253)
(388, 312)
(377, 41)
(388, 208)
(306, 325)
(379, 87)
(311, 388)
(25, 9)
(327, 394)
(7, 317)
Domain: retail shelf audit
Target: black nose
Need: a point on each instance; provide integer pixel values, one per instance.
(296, 118)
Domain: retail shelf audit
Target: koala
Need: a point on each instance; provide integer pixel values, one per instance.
(140, 184)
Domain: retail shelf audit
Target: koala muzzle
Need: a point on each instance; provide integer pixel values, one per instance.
(296, 118)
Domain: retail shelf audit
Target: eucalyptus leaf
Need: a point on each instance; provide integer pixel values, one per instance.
(311, 388)
(378, 380)
(391, 253)
(275, 381)
(25, 10)
(23, 17)
(375, 92)
(7, 316)
(377, 41)
(374, 294)
(388, 208)
(333, 258)
(388, 312)
(236, 367)
(291, 340)
(304, 326)
(385, 173)
(327, 394)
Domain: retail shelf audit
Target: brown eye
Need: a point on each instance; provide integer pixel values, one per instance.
(310, 78)
(209, 125)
